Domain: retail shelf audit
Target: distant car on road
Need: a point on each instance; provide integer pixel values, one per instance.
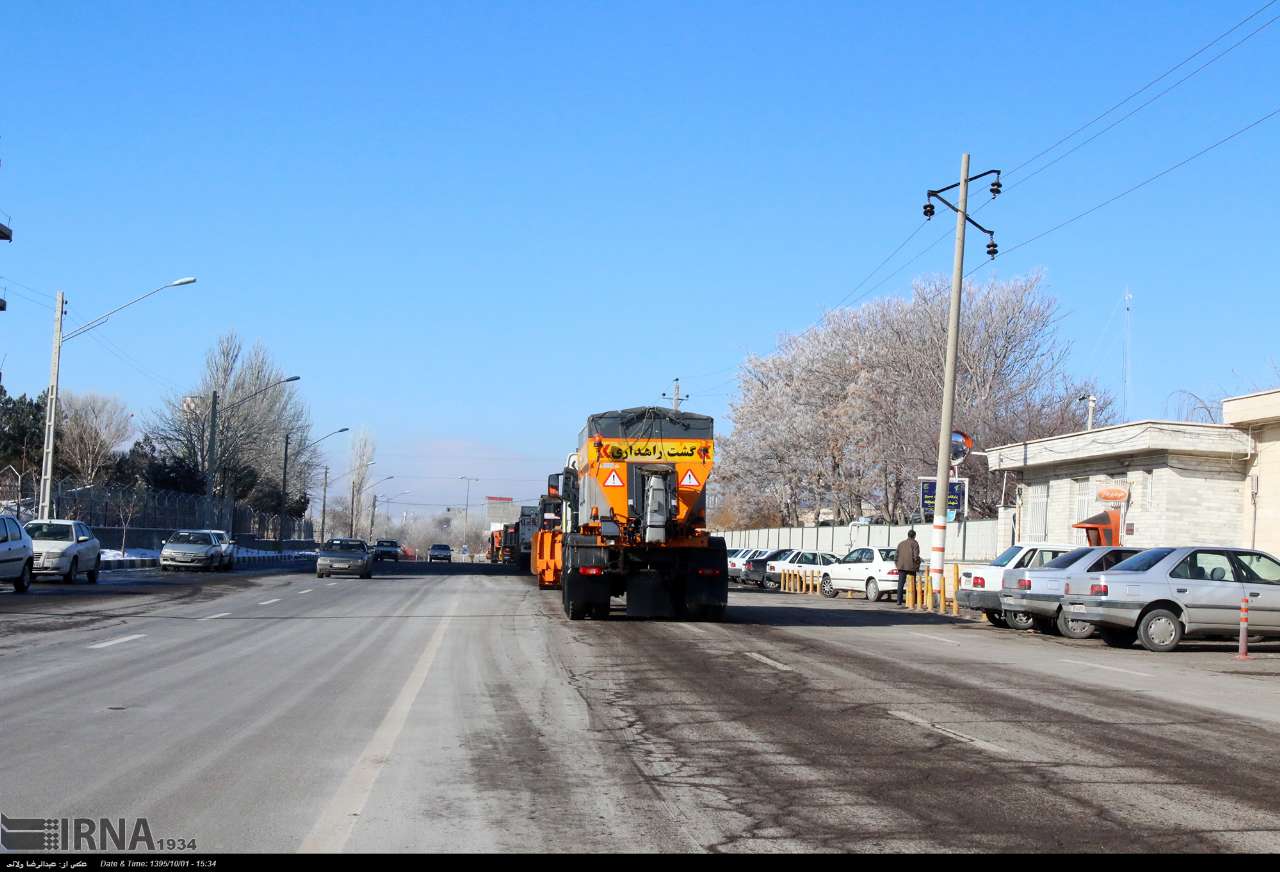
(198, 549)
(15, 555)
(387, 549)
(344, 556)
(1162, 595)
(1038, 592)
(64, 548)
(440, 552)
(869, 571)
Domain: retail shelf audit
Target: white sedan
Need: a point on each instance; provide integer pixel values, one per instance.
(868, 571)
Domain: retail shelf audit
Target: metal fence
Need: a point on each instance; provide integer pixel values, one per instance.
(967, 541)
(143, 508)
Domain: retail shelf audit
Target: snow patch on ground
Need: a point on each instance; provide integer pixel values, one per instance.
(113, 554)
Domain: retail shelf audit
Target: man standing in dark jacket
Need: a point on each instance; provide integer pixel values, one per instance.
(908, 562)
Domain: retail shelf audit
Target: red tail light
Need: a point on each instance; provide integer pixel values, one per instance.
(892, 572)
(979, 581)
(708, 570)
(592, 570)
(1098, 589)
(1024, 584)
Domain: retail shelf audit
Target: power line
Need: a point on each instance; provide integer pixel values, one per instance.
(1158, 78)
(1164, 172)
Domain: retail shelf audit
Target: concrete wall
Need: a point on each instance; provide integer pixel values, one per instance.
(1265, 529)
(968, 541)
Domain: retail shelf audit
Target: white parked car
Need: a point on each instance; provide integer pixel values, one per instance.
(796, 561)
(15, 555)
(1038, 592)
(981, 586)
(738, 558)
(65, 548)
(868, 571)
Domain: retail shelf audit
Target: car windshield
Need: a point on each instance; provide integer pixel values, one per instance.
(388, 543)
(1007, 555)
(439, 547)
(1142, 562)
(1062, 561)
(188, 538)
(51, 532)
(343, 545)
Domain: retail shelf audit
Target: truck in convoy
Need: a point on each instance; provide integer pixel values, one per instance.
(633, 519)
(546, 539)
(527, 526)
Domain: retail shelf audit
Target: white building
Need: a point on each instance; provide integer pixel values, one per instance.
(1187, 483)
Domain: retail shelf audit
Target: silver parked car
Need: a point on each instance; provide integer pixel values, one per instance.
(346, 556)
(64, 548)
(1164, 594)
(15, 555)
(1038, 592)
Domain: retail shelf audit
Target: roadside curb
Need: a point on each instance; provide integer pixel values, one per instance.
(154, 562)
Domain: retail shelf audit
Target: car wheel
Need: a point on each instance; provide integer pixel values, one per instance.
(770, 584)
(1159, 630)
(997, 619)
(319, 574)
(22, 583)
(873, 590)
(827, 589)
(366, 574)
(1115, 637)
(72, 571)
(1019, 620)
(1045, 626)
(231, 565)
(1074, 629)
(92, 574)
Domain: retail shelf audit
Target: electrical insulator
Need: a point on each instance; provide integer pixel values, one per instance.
(996, 188)
(928, 211)
(992, 250)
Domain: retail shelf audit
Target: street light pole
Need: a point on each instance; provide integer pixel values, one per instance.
(51, 400)
(466, 509)
(324, 502)
(284, 479)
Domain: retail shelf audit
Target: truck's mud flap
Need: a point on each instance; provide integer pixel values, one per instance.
(649, 595)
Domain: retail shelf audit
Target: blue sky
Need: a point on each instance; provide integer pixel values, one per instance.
(467, 225)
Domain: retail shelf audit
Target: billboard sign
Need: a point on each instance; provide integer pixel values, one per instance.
(957, 497)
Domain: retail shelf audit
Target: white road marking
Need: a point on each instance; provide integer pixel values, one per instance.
(331, 584)
(694, 627)
(933, 638)
(1111, 668)
(211, 617)
(768, 661)
(111, 642)
(308, 590)
(333, 828)
(270, 601)
(968, 740)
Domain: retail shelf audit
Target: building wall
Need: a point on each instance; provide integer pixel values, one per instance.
(1266, 466)
(1173, 499)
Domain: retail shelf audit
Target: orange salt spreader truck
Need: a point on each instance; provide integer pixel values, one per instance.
(632, 505)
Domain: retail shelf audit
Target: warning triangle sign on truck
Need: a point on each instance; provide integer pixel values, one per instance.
(613, 480)
(690, 480)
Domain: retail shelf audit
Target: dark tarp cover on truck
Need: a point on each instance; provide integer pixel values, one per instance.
(648, 422)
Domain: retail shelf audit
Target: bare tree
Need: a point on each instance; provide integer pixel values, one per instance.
(362, 450)
(94, 428)
(844, 416)
(129, 501)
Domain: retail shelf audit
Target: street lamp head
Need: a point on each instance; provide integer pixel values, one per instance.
(344, 430)
(189, 280)
(291, 378)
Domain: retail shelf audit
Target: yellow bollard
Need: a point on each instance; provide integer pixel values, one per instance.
(911, 592)
(942, 591)
(955, 588)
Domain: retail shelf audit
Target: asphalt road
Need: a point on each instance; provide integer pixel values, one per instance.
(456, 709)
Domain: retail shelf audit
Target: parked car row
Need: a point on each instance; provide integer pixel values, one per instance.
(1154, 596)
(47, 547)
(869, 571)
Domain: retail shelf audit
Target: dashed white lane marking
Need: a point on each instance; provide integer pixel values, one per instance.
(333, 828)
(111, 642)
(768, 661)
(331, 584)
(692, 628)
(968, 740)
(211, 617)
(270, 601)
(932, 638)
(308, 590)
(1110, 668)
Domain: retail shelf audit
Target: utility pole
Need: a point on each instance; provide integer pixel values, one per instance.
(1093, 403)
(351, 534)
(284, 490)
(938, 545)
(373, 511)
(51, 412)
(324, 501)
(675, 395)
(1128, 327)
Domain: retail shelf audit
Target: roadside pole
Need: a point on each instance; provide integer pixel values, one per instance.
(51, 413)
(215, 509)
(324, 502)
(284, 491)
(938, 543)
(1243, 654)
